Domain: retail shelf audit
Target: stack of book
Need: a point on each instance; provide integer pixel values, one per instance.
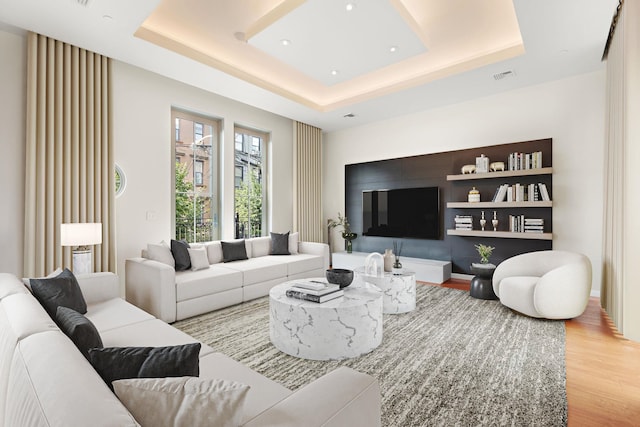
(314, 291)
(464, 222)
(520, 224)
(534, 225)
(521, 161)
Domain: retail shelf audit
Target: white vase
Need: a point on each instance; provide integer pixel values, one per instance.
(388, 260)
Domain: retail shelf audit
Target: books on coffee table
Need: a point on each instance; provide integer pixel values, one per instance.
(327, 288)
(293, 293)
(313, 284)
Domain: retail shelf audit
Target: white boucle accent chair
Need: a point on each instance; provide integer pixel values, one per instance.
(545, 284)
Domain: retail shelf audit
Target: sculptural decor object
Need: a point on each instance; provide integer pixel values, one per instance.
(397, 265)
(339, 276)
(468, 169)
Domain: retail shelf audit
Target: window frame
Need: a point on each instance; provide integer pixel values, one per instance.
(248, 151)
(207, 186)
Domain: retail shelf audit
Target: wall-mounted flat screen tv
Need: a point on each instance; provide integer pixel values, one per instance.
(405, 212)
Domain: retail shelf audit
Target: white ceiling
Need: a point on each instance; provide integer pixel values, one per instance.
(325, 36)
(561, 38)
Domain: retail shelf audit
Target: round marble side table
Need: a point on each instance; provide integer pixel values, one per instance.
(481, 284)
(342, 328)
(398, 290)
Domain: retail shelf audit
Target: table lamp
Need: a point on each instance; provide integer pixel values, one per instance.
(81, 235)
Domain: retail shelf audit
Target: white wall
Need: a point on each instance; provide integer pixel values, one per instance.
(13, 71)
(571, 111)
(142, 135)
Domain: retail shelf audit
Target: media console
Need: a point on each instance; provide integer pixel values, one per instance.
(427, 270)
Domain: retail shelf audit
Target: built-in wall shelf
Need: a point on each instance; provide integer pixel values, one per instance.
(498, 205)
(501, 234)
(500, 174)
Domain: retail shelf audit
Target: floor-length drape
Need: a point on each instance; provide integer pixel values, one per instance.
(620, 294)
(69, 153)
(308, 182)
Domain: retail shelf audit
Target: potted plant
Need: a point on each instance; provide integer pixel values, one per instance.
(485, 252)
(347, 234)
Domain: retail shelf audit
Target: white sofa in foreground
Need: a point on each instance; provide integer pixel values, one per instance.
(46, 381)
(169, 295)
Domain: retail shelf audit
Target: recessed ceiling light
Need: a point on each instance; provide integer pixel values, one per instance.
(393, 49)
(334, 72)
(349, 116)
(107, 17)
(350, 6)
(285, 42)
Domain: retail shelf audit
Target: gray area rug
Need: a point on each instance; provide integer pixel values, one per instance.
(454, 361)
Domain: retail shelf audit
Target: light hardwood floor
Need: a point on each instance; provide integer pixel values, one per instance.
(603, 369)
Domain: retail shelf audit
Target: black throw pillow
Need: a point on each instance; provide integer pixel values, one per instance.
(280, 244)
(234, 251)
(179, 249)
(120, 363)
(80, 329)
(62, 290)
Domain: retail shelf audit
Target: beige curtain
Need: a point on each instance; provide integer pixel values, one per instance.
(308, 182)
(620, 294)
(69, 153)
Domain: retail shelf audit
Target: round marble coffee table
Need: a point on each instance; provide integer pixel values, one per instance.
(398, 290)
(345, 327)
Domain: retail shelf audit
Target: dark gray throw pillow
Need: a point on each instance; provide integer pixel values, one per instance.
(280, 244)
(62, 290)
(80, 329)
(234, 251)
(119, 363)
(179, 249)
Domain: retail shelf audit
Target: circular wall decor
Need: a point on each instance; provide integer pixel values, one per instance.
(121, 181)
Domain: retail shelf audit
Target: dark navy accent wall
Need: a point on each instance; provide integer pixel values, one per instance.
(431, 170)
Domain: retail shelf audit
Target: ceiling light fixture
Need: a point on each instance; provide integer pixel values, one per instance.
(285, 42)
(393, 49)
(349, 116)
(334, 72)
(350, 6)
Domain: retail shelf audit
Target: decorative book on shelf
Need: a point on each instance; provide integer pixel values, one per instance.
(463, 222)
(521, 193)
(292, 293)
(520, 224)
(523, 161)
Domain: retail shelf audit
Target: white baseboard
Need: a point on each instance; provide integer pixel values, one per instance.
(462, 276)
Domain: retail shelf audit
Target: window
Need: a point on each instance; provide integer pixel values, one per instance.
(198, 132)
(239, 176)
(199, 165)
(249, 196)
(196, 181)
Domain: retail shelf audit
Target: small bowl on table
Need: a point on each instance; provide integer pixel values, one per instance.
(339, 276)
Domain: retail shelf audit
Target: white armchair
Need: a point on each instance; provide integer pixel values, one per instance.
(545, 284)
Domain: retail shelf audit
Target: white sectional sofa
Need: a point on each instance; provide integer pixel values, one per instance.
(174, 295)
(46, 381)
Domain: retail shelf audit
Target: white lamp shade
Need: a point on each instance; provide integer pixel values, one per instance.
(81, 234)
